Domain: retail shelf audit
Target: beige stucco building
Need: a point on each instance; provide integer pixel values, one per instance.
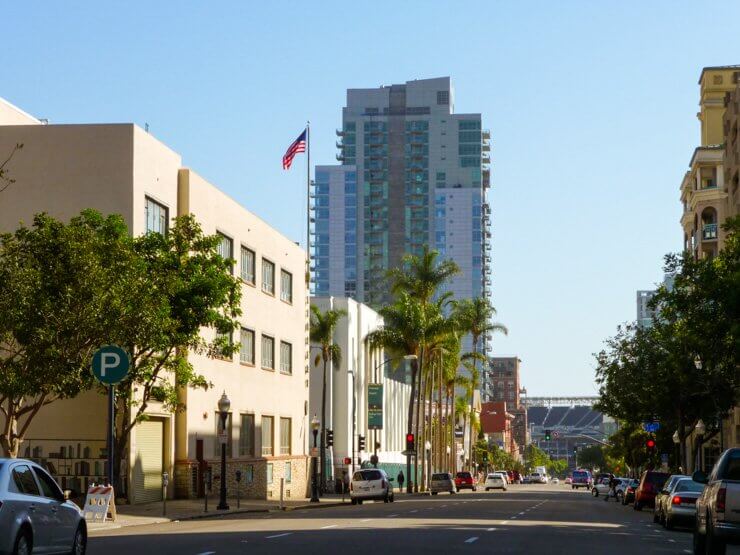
(120, 168)
(709, 193)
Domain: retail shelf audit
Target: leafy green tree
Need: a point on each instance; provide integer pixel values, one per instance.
(323, 325)
(177, 287)
(592, 457)
(60, 285)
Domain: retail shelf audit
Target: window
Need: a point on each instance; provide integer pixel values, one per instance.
(443, 97)
(156, 217)
(246, 436)
(286, 286)
(268, 352)
(217, 446)
(269, 473)
(24, 481)
(246, 348)
(268, 277)
(222, 341)
(285, 435)
(226, 248)
(249, 474)
(248, 265)
(286, 358)
(288, 472)
(49, 487)
(268, 438)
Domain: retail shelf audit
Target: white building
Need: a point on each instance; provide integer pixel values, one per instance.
(347, 392)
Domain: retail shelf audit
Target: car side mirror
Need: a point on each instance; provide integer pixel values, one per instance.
(390, 479)
(700, 477)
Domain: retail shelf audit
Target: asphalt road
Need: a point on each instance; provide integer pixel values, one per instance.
(525, 519)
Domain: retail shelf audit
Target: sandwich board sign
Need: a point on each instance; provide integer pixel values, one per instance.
(99, 504)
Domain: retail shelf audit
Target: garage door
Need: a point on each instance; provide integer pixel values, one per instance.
(148, 464)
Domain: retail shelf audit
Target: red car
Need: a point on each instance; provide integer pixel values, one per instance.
(650, 484)
(464, 480)
(517, 477)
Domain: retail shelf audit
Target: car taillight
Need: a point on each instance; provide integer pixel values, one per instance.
(676, 500)
(721, 499)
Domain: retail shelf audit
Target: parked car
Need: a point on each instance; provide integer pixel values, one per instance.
(622, 486)
(370, 483)
(663, 494)
(680, 505)
(526, 480)
(568, 481)
(718, 506)
(601, 485)
(494, 480)
(556, 480)
(442, 482)
(35, 515)
(464, 480)
(582, 479)
(538, 478)
(504, 474)
(629, 491)
(651, 483)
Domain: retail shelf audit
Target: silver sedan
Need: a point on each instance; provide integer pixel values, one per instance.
(35, 516)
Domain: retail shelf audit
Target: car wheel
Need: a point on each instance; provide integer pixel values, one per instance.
(23, 543)
(353, 501)
(393, 497)
(385, 499)
(475, 489)
(359, 501)
(434, 493)
(715, 546)
(79, 547)
(458, 489)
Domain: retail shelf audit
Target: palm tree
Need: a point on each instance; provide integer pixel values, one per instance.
(422, 276)
(475, 317)
(322, 334)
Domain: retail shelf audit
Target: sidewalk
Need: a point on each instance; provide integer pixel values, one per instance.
(190, 509)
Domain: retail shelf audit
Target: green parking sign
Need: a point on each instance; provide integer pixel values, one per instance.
(110, 364)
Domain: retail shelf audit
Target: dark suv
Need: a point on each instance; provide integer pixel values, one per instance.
(651, 483)
(464, 480)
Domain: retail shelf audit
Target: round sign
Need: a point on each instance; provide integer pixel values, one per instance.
(110, 364)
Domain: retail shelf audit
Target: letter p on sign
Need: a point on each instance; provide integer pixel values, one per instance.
(110, 364)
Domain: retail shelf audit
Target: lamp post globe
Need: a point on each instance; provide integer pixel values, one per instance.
(700, 428)
(224, 404)
(697, 362)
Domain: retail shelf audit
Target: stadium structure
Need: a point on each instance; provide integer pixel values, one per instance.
(572, 422)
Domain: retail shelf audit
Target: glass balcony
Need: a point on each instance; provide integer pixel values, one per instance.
(709, 232)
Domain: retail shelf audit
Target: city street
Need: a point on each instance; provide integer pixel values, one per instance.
(525, 519)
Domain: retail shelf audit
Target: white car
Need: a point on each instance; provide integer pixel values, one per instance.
(538, 478)
(370, 483)
(504, 475)
(495, 480)
(555, 481)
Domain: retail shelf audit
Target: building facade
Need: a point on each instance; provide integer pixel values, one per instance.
(413, 173)
(501, 382)
(347, 400)
(497, 424)
(122, 169)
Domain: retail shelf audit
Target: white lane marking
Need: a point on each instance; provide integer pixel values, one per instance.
(491, 530)
(513, 518)
(391, 516)
(687, 551)
(329, 526)
(443, 506)
(521, 513)
(471, 540)
(414, 511)
(671, 540)
(207, 553)
(278, 535)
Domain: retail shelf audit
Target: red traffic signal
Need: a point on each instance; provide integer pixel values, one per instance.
(650, 444)
(410, 442)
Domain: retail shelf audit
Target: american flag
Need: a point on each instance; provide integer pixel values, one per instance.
(299, 145)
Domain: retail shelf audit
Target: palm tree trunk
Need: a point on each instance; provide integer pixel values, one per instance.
(440, 434)
(420, 373)
(451, 410)
(472, 404)
(322, 480)
(410, 420)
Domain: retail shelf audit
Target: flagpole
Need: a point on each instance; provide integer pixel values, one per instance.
(308, 206)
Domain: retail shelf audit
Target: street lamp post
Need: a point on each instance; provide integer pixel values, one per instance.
(428, 447)
(677, 442)
(700, 430)
(314, 475)
(223, 412)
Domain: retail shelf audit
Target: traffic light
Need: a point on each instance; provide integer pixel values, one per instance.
(548, 435)
(360, 443)
(410, 446)
(650, 444)
(329, 438)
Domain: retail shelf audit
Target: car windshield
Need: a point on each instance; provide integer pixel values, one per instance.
(580, 474)
(656, 478)
(731, 469)
(493, 476)
(689, 485)
(440, 477)
(463, 475)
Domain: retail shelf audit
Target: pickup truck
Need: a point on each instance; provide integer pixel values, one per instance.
(718, 506)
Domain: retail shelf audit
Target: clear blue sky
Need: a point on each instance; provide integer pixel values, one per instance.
(591, 106)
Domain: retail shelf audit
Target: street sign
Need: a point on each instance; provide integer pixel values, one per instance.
(651, 426)
(110, 364)
(375, 406)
